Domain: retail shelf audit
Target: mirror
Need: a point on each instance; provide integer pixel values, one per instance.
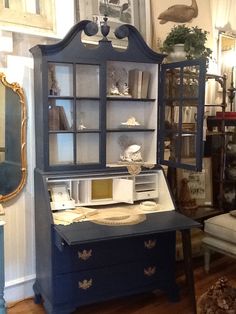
(227, 65)
(227, 45)
(12, 139)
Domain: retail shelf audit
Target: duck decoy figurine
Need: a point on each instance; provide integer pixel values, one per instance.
(179, 13)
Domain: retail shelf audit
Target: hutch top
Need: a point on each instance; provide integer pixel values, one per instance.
(99, 107)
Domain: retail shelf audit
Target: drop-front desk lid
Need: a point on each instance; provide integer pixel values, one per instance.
(87, 231)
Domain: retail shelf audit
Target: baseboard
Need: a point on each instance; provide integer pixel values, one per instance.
(19, 289)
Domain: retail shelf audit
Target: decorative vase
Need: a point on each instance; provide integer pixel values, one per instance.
(179, 54)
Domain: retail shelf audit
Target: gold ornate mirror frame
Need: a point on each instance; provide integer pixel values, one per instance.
(15, 87)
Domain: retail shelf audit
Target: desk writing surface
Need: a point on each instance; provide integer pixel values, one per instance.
(85, 232)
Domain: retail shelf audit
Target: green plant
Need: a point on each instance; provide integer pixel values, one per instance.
(193, 38)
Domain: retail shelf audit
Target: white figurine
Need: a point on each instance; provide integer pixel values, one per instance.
(117, 81)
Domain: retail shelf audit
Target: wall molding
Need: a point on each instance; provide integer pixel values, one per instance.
(19, 289)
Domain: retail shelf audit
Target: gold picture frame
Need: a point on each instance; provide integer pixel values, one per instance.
(18, 91)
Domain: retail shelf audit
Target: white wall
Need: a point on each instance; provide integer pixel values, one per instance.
(19, 212)
(203, 20)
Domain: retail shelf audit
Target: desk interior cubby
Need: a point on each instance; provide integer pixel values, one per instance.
(146, 186)
(113, 189)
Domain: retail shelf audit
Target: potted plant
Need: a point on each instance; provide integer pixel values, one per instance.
(192, 39)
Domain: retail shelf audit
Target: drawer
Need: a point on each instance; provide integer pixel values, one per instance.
(145, 195)
(84, 287)
(107, 253)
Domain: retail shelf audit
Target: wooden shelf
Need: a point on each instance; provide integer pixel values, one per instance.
(130, 99)
(130, 130)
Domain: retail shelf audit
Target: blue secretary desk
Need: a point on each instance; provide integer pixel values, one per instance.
(80, 140)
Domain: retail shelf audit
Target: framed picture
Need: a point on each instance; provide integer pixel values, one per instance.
(226, 49)
(31, 17)
(199, 183)
(134, 12)
(226, 61)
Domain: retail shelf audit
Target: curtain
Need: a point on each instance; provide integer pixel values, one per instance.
(223, 15)
(223, 20)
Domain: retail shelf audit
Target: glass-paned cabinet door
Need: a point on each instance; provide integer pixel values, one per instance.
(87, 80)
(181, 114)
(73, 114)
(87, 109)
(87, 114)
(61, 149)
(131, 113)
(88, 148)
(60, 79)
(60, 115)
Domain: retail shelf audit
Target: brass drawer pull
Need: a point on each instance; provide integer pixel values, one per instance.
(85, 284)
(150, 271)
(150, 244)
(84, 255)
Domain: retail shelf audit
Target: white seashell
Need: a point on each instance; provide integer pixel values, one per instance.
(131, 122)
(133, 149)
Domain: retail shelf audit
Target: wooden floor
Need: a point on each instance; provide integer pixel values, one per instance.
(152, 303)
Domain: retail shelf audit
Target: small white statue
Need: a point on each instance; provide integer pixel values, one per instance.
(114, 91)
(81, 125)
(131, 122)
(124, 90)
